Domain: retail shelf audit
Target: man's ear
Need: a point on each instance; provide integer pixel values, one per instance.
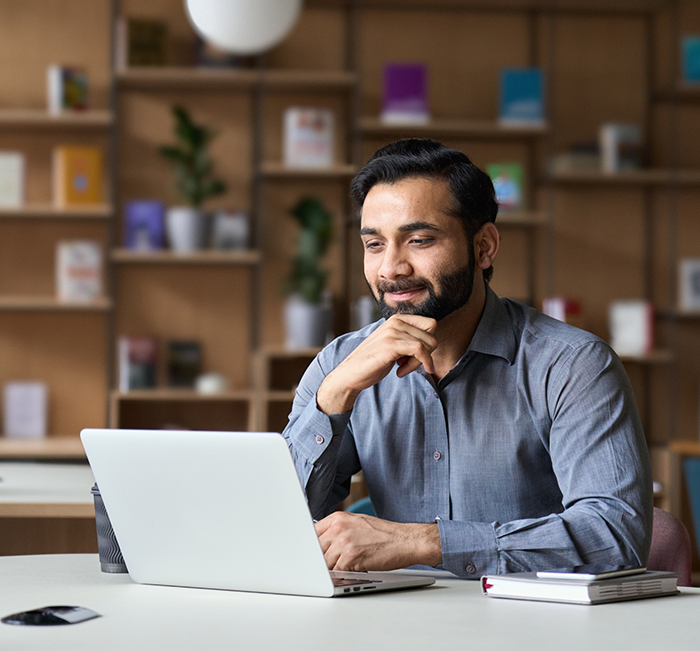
(486, 243)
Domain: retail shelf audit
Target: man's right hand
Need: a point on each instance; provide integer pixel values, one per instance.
(403, 338)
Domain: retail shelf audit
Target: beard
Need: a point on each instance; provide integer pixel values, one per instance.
(453, 292)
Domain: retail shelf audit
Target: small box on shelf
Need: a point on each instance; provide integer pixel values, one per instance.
(631, 324)
(12, 171)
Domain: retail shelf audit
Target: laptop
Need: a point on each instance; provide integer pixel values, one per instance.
(218, 510)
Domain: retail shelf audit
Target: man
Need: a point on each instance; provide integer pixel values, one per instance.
(492, 438)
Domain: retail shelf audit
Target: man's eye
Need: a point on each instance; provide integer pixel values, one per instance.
(369, 246)
(423, 241)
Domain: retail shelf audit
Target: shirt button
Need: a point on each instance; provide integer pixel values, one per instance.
(336, 439)
(319, 439)
(435, 395)
(436, 455)
(470, 568)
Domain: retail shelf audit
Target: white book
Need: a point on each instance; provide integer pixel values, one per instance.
(11, 179)
(25, 409)
(308, 137)
(631, 327)
(620, 147)
(78, 271)
(689, 284)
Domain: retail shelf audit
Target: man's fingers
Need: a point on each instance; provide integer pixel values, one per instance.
(423, 323)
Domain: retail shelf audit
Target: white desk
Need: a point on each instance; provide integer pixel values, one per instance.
(450, 615)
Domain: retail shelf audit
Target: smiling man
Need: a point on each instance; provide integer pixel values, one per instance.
(492, 438)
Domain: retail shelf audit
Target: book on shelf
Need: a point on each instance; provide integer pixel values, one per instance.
(78, 271)
(144, 224)
(25, 409)
(530, 586)
(690, 58)
(78, 176)
(184, 361)
(620, 147)
(631, 325)
(563, 309)
(67, 89)
(137, 358)
(522, 97)
(508, 184)
(141, 42)
(12, 168)
(308, 137)
(405, 94)
(689, 284)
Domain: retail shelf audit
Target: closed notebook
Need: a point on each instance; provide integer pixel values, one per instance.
(78, 176)
(527, 585)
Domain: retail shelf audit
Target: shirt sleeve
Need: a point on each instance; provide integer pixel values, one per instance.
(322, 446)
(601, 462)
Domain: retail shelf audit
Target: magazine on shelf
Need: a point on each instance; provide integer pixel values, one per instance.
(78, 176)
(25, 407)
(508, 184)
(405, 97)
(308, 137)
(137, 362)
(144, 224)
(631, 327)
(522, 97)
(78, 271)
(12, 168)
(67, 89)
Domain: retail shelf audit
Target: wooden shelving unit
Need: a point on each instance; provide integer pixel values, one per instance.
(51, 304)
(40, 119)
(275, 170)
(204, 257)
(441, 128)
(50, 212)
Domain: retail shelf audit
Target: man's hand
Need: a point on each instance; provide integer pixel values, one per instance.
(358, 543)
(403, 338)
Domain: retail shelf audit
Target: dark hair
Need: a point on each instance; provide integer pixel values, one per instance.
(472, 189)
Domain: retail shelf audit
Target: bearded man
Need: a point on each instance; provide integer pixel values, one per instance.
(492, 438)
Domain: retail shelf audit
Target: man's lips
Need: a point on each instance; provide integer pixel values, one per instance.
(404, 295)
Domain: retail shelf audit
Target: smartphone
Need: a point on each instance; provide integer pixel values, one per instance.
(590, 572)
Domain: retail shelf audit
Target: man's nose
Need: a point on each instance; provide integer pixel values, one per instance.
(395, 263)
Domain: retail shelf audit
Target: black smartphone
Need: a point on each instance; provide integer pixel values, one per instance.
(51, 616)
(590, 572)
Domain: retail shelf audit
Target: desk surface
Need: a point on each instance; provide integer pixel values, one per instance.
(452, 614)
(46, 490)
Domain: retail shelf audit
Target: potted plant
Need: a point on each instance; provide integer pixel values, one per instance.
(186, 225)
(307, 312)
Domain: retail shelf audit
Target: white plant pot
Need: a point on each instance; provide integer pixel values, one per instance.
(186, 229)
(306, 324)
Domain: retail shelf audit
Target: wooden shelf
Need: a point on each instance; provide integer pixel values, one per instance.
(655, 357)
(52, 447)
(642, 177)
(274, 170)
(208, 256)
(521, 218)
(42, 119)
(191, 78)
(278, 396)
(47, 211)
(182, 395)
(472, 129)
(51, 304)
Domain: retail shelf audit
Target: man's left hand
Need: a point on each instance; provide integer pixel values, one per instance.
(355, 542)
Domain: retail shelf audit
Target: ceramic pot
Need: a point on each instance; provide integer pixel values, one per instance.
(306, 324)
(186, 229)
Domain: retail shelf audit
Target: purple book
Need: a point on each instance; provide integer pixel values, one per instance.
(143, 224)
(405, 93)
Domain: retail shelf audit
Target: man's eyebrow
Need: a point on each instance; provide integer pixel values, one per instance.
(368, 231)
(418, 226)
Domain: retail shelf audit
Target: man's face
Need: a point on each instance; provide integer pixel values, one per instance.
(417, 257)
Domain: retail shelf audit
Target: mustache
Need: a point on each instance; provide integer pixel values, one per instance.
(402, 285)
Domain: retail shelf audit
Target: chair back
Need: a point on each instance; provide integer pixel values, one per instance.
(670, 547)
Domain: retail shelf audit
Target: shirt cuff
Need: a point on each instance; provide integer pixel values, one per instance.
(469, 549)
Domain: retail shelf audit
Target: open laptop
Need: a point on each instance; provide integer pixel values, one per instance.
(217, 510)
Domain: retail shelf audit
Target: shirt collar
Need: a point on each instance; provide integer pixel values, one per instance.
(494, 335)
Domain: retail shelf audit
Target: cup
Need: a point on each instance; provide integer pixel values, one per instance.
(111, 559)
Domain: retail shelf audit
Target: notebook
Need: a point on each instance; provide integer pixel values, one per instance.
(217, 510)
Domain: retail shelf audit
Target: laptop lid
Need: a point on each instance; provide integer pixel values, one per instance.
(216, 510)
(208, 509)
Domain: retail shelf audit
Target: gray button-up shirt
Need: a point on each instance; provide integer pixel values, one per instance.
(528, 454)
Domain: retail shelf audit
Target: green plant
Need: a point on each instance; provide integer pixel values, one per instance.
(307, 278)
(191, 162)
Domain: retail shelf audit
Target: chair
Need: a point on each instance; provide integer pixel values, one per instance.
(670, 547)
(361, 506)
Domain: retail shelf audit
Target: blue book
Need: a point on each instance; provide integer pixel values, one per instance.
(144, 224)
(522, 96)
(690, 55)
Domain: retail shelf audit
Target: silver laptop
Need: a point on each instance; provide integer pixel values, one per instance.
(217, 510)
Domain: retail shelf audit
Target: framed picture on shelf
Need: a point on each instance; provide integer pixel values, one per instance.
(689, 284)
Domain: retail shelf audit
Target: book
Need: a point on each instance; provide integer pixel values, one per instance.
(144, 224)
(25, 407)
(508, 184)
(689, 284)
(184, 363)
(522, 97)
(137, 357)
(67, 89)
(564, 309)
(527, 585)
(78, 271)
(631, 327)
(690, 59)
(141, 42)
(308, 137)
(12, 167)
(405, 96)
(78, 176)
(620, 147)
